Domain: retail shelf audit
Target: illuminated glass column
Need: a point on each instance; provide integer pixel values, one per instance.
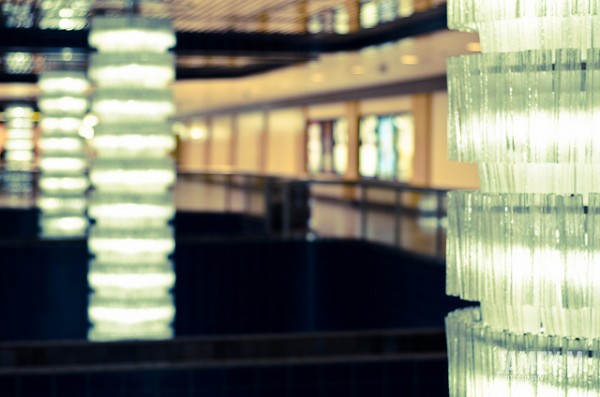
(19, 149)
(131, 274)
(63, 155)
(527, 245)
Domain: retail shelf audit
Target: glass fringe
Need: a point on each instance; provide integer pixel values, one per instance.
(63, 96)
(527, 247)
(485, 361)
(525, 250)
(517, 25)
(525, 107)
(131, 239)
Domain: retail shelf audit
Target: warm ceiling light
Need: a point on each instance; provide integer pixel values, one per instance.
(358, 69)
(409, 60)
(474, 46)
(317, 77)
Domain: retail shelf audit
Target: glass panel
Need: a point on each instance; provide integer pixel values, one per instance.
(368, 153)
(368, 15)
(406, 146)
(388, 156)
(314, 148)
(340, 146)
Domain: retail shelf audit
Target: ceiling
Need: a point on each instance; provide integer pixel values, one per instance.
(237, 52)
(406, 60)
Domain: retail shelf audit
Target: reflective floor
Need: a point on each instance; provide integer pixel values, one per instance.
(328, 218)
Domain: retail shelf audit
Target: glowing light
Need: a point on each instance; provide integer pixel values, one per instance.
(55, 205)
(56, 81)
(124, 209)
(64, 226)
(513, 364)
(512, 25)
(474, 46)
(409, 60)
(66, 144)
(63, 164)
(317, 78)
(133, 69)
(60, 123)
(134, 139)
(132, 104)
(19, 149)
(131, 275)
(528, 246)
(358, 70)
(197, 133)
(151, 35)
(64, 104)
(67, 184)
(133, 176)
(63, 160)
(139, 279)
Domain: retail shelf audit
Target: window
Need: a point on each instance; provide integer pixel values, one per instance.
(327, 146)
(386, 147)
(369, 17)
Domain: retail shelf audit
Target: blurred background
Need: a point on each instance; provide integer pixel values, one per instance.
(311, 155)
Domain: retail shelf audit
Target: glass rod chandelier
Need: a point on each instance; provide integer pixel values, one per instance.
(527, 245)
(19, 150)
(63, 181)
(131, 274)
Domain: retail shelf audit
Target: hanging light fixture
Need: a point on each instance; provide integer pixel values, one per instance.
(63, 154)
(131, 274)
(527, 245)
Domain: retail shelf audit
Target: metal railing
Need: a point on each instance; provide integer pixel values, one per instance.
(398, 215)
(403, 216)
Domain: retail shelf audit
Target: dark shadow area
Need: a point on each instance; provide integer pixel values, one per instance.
(255, 317)
(234, 286)
(391, 377)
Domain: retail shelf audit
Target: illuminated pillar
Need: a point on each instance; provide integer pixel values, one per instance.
(527, 246)
(63, 155)
(131, 274)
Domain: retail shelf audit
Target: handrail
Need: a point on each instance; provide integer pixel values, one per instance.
(279, 212)
(288, 207)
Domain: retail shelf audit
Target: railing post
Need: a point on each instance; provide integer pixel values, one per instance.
(267, 193)
(397, 219)
(286, 209)
(247, 198)
(439, 237)
(363, 211)
(227, 193)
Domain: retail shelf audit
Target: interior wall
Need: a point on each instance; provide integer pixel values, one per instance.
(220, 142)
(388, 105)
(446, 173)
(286, 143)
(248, 146)
(274, 141)
(193, 147)
(326, 111)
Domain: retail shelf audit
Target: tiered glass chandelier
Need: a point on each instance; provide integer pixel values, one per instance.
(63, 154)
(19, 150)
(131, 274)
(527, 245)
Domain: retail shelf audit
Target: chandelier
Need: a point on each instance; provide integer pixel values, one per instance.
(63, 154)
(131, 274)
(19, 150)
(527, 245)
